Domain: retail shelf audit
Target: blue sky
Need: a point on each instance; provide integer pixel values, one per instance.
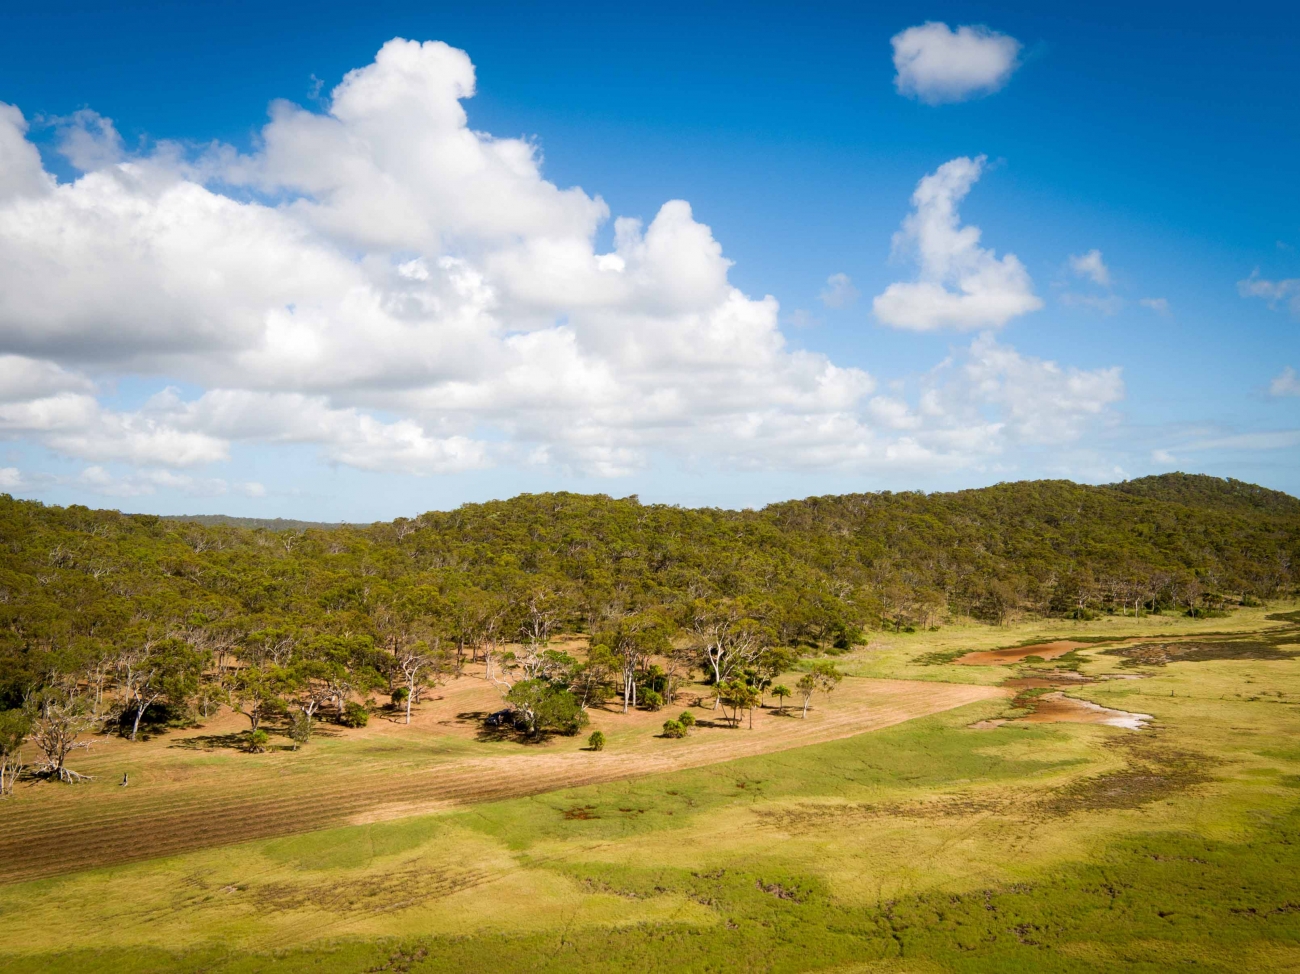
(1162, 136)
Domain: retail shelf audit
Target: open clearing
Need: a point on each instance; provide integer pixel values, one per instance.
(191, 790)
(921, 845)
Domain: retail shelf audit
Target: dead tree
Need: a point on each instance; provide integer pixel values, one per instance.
(60, 719)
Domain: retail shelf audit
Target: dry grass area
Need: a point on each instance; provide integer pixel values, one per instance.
(193, 789)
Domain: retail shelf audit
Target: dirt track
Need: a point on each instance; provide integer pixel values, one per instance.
(51, 829)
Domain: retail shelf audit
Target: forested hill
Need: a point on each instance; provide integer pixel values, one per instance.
(814, 571)
(1198, 490)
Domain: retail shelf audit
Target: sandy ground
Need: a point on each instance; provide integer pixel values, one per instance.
(185, 794)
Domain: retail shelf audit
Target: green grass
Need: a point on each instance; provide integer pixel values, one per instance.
(927, 846)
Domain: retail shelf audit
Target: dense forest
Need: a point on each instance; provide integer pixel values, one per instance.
(148, 610)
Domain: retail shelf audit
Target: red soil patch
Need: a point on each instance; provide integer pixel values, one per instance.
(1003, 657)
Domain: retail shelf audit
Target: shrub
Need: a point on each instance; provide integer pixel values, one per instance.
(257, 741)
(596, 741)
(355, 715)
(674, 728)
(687, 719)
(399, 696)
(300, 730)
(652, 699)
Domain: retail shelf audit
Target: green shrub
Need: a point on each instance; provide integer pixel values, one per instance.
(674, 728)
(257, 741)
(300, 730)
(355, 715)
(399, 696)
(652, 699)
(687, 719)
(596, 742)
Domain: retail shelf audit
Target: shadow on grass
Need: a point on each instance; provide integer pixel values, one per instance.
(237, 741)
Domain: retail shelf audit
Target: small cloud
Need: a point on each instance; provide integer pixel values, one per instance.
(839, 291)
(251, 489)
(959, 283)
(1091, 265)
(1159, 305)
(11, 477)
(1162, 456)
(1287, 383)
(936, 64)
(802, 319)
(1272, 291)
(1107, 304)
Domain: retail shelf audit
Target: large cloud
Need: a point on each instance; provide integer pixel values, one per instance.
(937, 64)
(411, 295)
(961, 284)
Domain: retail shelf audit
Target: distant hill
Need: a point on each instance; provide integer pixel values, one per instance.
(271, 524)
(1215, 493)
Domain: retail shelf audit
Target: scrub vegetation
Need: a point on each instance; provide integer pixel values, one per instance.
(883, 732)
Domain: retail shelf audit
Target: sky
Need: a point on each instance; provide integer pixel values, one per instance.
(351, 262)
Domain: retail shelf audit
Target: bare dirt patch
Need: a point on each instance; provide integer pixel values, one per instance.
(1018, 654)
(1057, 708)
(1200, 651)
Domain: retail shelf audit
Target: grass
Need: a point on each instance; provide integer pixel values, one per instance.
(921, 846)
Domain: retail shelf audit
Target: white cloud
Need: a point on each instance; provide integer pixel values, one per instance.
(143, 483)
(1162, 457)
(961, 285)
(89, 141)
(937, 65)
(1107, 304)
(11, 478)
(1272, 291)
(1285, 383)
(406, 294)
(1159, 305)
(1091, 265)
(1041, 402)
(839, 291)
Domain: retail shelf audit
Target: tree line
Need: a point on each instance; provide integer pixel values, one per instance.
(139, 615)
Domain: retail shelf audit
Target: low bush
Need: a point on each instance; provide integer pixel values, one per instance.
(355, 715)
(596, 741)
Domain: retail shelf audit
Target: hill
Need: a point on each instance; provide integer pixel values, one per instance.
(815, 572)
(1214, 493)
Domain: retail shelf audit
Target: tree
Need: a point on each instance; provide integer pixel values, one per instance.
(806, 686)
(14, 727)
(167, 667)
(60, 718)
(257, 694)
(420, 666)
(727, 638)
(781, 691)
(542, 706)
(823, 676)
(738, 695)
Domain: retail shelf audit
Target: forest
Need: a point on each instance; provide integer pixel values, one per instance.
(136, 618)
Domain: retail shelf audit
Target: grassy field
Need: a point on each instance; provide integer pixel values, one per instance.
(859, 840)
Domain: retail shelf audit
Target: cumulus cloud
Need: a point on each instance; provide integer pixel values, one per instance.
(1274, 292)
(406, 294)
(839, 291)
(1285, 383)
(1159, 305)
(961, 284)
(936, 64)
(1091, 266)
